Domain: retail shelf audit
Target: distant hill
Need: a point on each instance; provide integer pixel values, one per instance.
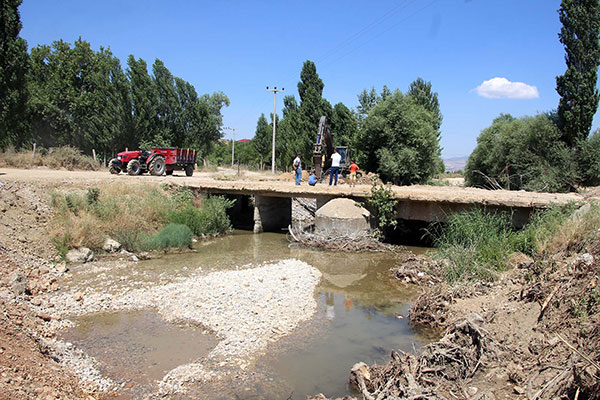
(455, 163)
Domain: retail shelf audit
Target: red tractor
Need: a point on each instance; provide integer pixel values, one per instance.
(157, 161)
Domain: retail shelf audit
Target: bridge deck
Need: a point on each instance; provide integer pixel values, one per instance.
(430, 194)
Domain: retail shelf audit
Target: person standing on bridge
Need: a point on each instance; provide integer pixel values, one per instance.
(297, 165)
(353, 169)
(335, 166)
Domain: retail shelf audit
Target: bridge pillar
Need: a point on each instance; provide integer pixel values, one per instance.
(322, 200)
(271, 213)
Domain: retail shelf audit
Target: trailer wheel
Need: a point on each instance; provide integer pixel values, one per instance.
(189, 170)
(134, 167)
(157, 166)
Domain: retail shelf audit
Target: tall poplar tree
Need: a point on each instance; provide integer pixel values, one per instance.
(13, 70)
(144, 102)
(262, 139)
(577, 87)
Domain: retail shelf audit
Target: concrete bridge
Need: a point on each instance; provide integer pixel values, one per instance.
(271, 209)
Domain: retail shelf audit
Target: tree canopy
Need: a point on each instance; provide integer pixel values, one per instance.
(577, 87)
(398, 139)
(524, 153)
(13, 69)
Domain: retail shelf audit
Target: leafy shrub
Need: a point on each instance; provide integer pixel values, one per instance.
(477, 245)
(92, 196)
(172, 235)
(210, 220)
(383, 203)
(524, 153)
(588, 160)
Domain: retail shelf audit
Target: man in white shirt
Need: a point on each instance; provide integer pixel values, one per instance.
(297, 169)
(335, 166)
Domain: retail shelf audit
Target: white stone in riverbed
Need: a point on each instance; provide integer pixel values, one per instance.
(246, 308)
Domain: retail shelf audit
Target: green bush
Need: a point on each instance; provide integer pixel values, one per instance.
(588, 160)
(524, 153)
(477, 245)
(131, 240)
(210, 220)
(172, 235)
(383, 203)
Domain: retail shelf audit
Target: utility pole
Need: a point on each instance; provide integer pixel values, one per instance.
(232, 142)
(274, 90)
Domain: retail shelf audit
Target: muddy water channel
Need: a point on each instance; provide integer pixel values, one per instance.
(360, 316)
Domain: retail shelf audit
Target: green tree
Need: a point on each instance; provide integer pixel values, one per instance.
(211, 120)
(421, 91)
(577, 87)
(398, 140)
(288, 140)
(524, 153)
(366, 101)
(13, 69)
(144, 102)
(312, 107)
(262, 140)
(167, 104)
(79, 97)
(343, 124)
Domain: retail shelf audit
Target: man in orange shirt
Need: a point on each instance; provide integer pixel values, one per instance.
(353, 169)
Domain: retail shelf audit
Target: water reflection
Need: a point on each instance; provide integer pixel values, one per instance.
(359, 317)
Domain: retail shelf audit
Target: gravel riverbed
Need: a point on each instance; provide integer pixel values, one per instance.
(246, 309)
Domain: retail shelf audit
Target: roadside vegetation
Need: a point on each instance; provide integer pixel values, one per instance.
(65, 157)
(476, 245)
(140, 217)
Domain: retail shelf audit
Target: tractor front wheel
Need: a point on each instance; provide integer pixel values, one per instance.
(169, 172)
(157, 166)
(134, 167)
(189, 170)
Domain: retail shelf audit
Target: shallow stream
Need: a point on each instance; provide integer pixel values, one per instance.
(361, 316)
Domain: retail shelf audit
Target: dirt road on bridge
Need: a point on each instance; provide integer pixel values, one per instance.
(228, 179)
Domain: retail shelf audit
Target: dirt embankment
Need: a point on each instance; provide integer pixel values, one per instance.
(27, 370)
(534, 334)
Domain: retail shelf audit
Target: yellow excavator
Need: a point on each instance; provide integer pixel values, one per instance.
(323, 150)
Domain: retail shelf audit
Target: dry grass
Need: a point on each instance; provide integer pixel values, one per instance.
(127, 213)
(132, 214)
(580, 232)
(66, 157)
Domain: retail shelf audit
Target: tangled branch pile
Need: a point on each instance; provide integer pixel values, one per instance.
(338, 242)
(440, 369)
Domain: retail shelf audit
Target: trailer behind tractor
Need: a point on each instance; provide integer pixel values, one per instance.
(157, 161)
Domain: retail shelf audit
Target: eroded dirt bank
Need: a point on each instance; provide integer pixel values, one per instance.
(534, 334)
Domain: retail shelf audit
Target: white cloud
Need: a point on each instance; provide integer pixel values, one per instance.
(498, 88)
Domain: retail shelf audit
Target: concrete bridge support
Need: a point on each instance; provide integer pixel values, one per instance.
(271, 213)
(322, 200)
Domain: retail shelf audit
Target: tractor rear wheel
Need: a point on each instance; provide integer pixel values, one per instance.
(114, 170)
(189, 170)
(157, 166)
(134, 167)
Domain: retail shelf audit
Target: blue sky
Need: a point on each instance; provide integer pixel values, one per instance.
(240, 47)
